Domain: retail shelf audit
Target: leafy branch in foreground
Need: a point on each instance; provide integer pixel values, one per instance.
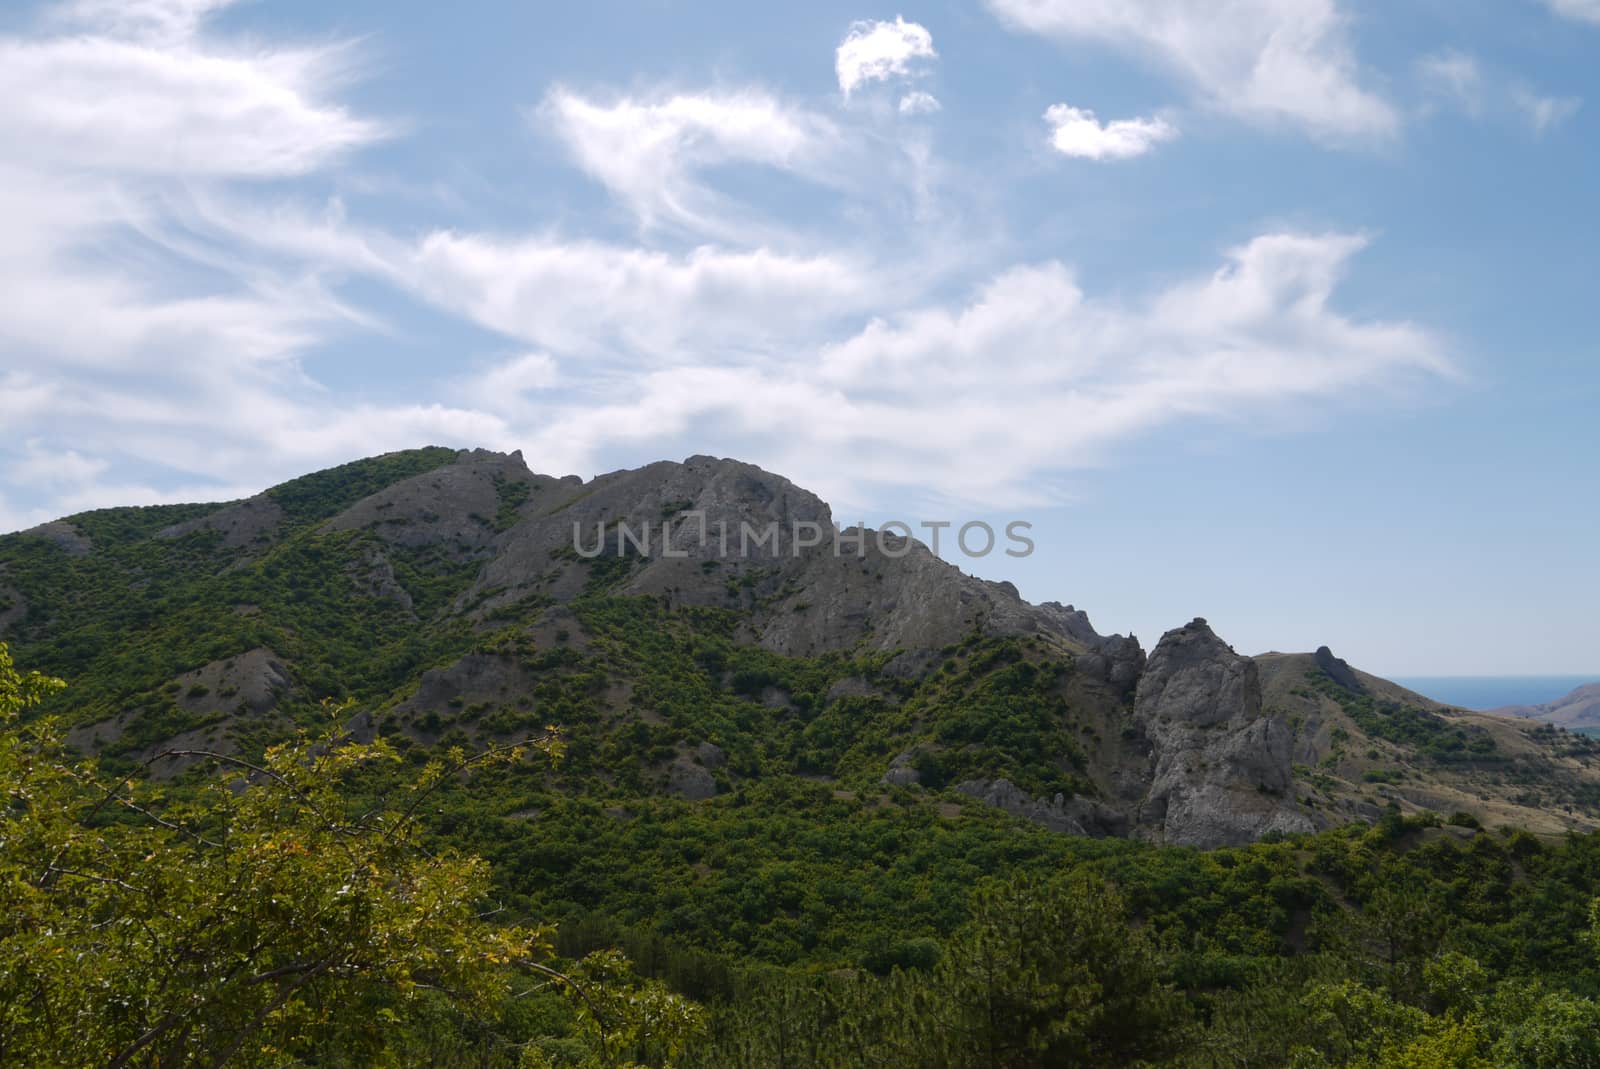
(256, 919)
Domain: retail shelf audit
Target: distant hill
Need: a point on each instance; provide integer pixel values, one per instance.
(1578, 709)
(460, 598)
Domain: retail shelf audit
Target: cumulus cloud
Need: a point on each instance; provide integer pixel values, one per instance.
(919, 103)
(1285, 62)
(878, 51)
(1076, 132)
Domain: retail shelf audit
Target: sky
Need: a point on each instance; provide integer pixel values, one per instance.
(1277, 312)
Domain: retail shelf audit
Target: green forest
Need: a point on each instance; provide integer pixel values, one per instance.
(337, 903)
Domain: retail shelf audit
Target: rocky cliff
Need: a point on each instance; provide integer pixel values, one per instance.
(1220, 770)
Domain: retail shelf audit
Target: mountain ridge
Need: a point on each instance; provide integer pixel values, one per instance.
(457, 596)
(1578, 708)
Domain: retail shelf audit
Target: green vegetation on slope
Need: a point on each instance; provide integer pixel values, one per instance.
(262, 920)
(124, 619)
(819, 917)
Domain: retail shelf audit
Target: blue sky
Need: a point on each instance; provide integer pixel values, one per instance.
(1279, 312)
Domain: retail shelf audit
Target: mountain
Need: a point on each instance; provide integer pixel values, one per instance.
(1577, 710)
(700, 629)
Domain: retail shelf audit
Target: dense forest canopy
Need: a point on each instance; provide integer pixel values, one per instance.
(322, 907)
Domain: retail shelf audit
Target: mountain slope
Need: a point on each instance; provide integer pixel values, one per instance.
(1578, 709)
(461, 598)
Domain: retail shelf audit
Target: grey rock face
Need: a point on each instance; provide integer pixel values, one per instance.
(377, 579)
(477, 678)
(246, 523)
(1221, 772)
(455, 506)
(901, 771)
(1338, 670)
(798, 598)
(1116, 659)
(13, 608)
(1071, 816)
(689, 780)
(249, 683)
(710, 755)
(1003, 794)
(67, 538)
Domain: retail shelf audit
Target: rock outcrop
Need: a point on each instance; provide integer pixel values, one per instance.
(253, 522)
(1072, 816)
(13, 608)
(64, 536)
(1115, 659)
(690, 781)
(1338, 671)
(1220, 770)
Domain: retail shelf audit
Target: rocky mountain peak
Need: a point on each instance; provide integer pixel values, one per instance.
(1220, 768)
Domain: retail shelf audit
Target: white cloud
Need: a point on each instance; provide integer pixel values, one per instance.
(209, 291)
(649, 151)
(919, 103)
(1582, 10)
(1457, 76)
(614, 304)
(177, 104)
(507, 385)
(41, 466)
(1542, 112)
(154, 20)
(878, 51)
(1459, 79)
(127, 339)
(1267, 61)
(1076, 132)
(1032, 376)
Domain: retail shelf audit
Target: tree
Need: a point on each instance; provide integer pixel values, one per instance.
(254, 919)
(1052, 973)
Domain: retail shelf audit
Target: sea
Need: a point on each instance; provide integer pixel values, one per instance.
(1491, 692)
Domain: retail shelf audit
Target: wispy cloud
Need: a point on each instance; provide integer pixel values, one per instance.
(1582, 10)
(650, 152)
(982, 399)
(1460, 80)
(1544, 112)
(122, 347)
(118, 98)
(1284, 62)
(171, 273)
